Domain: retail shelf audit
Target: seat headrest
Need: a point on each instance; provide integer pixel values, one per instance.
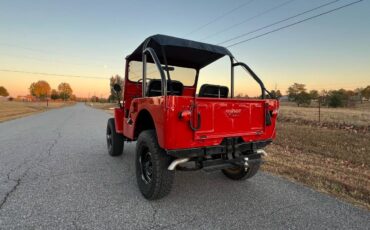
(154, 88)
(217, 91)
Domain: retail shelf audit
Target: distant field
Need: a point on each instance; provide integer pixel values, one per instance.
(358, 116)
(14, 109)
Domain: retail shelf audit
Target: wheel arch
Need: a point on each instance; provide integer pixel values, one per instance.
(144, 121)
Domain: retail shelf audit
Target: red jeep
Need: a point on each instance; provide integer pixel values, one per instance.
(178, 128)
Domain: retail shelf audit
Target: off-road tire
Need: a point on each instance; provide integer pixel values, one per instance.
(115, 140)
(241, 173)
(158, 183)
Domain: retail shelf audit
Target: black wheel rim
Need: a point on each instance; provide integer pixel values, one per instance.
(109, 139)
(146, 166)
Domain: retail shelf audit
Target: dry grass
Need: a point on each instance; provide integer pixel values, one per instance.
(108, 107)
(359, 116)
(348, 181)
(331, 160)
(14, 109)
(339, 144)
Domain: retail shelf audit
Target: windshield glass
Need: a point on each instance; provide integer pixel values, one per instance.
(184, 75)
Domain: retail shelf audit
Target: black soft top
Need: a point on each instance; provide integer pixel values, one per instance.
(180, 52)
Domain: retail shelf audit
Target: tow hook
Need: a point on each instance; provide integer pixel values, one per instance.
(198, 125)
(177, 162)
(196, 128)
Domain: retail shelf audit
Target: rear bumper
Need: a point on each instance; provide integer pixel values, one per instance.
(218, 149)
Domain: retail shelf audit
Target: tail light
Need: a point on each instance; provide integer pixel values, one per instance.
(274, 112)
(185, 115)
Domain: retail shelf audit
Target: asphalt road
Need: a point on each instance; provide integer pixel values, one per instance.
(55, 173)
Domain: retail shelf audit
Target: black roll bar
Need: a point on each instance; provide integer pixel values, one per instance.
(255, 77)
(159, 66)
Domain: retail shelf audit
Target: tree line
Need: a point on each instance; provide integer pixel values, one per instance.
(3, 91)
(113, 97)
(42, 90)
(332, 98)
(296, 93)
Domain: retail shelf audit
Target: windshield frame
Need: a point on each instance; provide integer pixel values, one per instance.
(194, 75)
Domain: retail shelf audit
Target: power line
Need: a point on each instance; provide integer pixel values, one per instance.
(249, 19)
(52, 74)
(219, 17)
(42, 51)
(50, 60)
(298, 22)
(278, 22)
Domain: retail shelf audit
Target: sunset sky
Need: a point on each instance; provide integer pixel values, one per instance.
(90, 39)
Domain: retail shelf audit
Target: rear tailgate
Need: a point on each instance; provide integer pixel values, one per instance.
(230, 117)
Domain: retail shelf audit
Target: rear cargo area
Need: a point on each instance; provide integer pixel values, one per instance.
(229, 117)
(218, 118)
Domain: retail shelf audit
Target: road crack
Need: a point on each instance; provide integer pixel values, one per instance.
(9, 193)
(36, 161)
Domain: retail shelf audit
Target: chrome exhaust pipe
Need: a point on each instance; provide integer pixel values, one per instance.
(177, 162)
(261, 151)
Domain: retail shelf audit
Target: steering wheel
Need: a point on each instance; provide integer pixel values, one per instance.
(138, 81)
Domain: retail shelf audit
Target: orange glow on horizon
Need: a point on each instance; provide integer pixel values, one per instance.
(18, 84)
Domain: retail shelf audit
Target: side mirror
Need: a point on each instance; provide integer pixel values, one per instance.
(117, 88)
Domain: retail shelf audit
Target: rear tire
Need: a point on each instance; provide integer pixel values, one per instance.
(153, 177)
(241, 173)
(114, 140)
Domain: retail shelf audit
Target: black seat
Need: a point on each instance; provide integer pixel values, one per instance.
(218, 91)
(154, 88)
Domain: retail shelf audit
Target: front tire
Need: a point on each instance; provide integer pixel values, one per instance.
(241, 173)
(114, 140)
(153, 177)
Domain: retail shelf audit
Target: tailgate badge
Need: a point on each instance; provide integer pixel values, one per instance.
(233, 112)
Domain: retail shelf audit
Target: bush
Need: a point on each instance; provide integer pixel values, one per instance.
(303, 98)
(297, 93)
(337, 98)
